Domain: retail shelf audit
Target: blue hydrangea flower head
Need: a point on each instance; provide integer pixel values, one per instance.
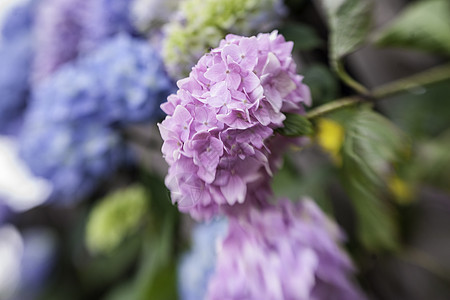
(18, 21)
(105, 18)
(136, 83)
(69, 136)
(74, 157)
(15, 60)
(121, 82)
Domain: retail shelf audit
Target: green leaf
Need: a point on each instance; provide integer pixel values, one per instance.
(421, 112)
(423, 25)
(431, 162)
(296, 125)
(322, 83)
(371, 147)
(160, 203)
(124, 291)
(114, 218)
(349, 22)
(294, 184)
(304, 36)
(157, 276)
(100, 271)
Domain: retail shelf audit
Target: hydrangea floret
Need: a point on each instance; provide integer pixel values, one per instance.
(220, 123)
(284, 251)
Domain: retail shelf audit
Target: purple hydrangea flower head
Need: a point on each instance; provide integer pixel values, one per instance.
(284, 251)
(219, 125)
(68, 28)
(197, 266)
(16, 56)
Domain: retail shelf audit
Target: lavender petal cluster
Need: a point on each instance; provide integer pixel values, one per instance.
(219, 124)
(16, 54)
(58, 32)
(103, 19)
(66, 29)
(287, 251)
(197, 266)
(71, 134)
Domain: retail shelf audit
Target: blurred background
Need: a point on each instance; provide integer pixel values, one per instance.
(84, 213)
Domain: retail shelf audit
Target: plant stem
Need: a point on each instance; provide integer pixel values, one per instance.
(332, 106)
(430, 76)
(427, 77)
(345, 77)
(421, 259)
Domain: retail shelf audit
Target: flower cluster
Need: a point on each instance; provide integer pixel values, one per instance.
(69, 136)
(68, 28)
(103, 19)
(73, 157)
(288, 251)
(80, 90)
(197, 266)
(216, 135)
(58, 33)
(200, 24)
(15, 60)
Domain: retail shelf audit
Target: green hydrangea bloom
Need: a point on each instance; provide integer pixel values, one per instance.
(201, 24)
(114, 218)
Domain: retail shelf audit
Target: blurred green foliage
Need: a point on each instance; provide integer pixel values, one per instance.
(423, 25)
(388, 148)
(114, 218)
(349, 23)
(372, 147)
(322, 82)
(296, 125)
(304, 36)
